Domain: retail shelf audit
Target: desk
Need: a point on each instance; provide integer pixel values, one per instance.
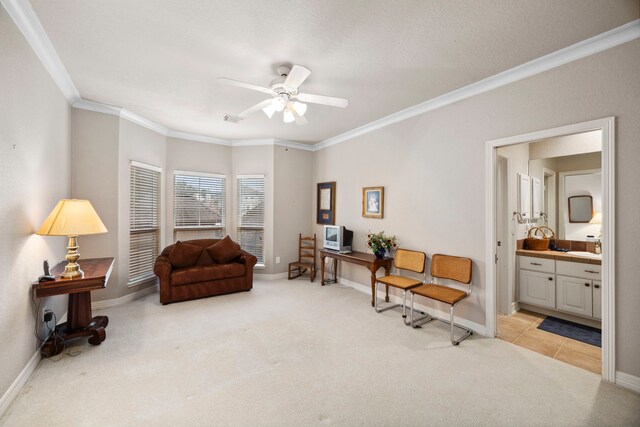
(79, 322)
(360, 258)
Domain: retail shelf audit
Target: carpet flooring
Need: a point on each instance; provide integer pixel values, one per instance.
(293, 353)
(572, 330)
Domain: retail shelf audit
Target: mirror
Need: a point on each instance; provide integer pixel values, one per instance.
(580, 209)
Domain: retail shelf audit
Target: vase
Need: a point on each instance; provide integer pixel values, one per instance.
(380, 253)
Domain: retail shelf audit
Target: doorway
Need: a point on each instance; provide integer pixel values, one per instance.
(494, 271)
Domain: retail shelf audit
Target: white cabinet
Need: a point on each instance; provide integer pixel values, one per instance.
(538, 288)
(574, 295)
(572, 287)
(524, 195)
(597, 299)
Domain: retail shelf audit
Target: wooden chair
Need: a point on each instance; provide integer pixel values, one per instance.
(404, 259)
(446, 267)
(306, 258)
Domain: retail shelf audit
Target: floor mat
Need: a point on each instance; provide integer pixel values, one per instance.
(575, 331)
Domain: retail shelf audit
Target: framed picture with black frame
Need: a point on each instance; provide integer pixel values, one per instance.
(326, 203)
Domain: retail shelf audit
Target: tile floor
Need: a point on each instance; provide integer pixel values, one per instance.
(521, 328)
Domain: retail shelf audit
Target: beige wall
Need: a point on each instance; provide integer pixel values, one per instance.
(194, 156)
(432, 167)
(292, 207)
(35, 161)
(94, 142)
(585, 142)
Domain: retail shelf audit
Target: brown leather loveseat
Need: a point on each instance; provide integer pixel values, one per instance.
(202, 268)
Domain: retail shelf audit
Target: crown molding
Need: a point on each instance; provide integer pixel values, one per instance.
(293, 144)
(199, 138)
(593, 45)
(25, 18)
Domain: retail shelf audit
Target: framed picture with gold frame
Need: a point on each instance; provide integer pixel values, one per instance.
(373, 202)
(326, 203)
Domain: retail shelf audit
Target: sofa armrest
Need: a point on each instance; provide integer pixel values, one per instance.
(247, 259)
(162, 268)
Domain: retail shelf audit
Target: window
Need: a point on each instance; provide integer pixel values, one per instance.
(144, 222)
(199, 206)
(251, 215)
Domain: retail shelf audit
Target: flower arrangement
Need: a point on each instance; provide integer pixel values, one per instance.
(379, 242)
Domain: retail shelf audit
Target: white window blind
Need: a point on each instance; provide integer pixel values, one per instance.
(144, 222)
(199, 206)
(251, 215)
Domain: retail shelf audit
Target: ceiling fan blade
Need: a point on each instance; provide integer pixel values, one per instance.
(257, 107)
(244, 85)
(324, 100)
(297, 75)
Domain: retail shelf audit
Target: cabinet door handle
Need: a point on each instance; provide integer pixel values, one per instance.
(586, 284)
(535, 263)
(591, 271)
(596, 286)
(550, 278)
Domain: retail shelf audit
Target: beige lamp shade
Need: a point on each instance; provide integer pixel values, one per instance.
(597, 219)
(72, 217)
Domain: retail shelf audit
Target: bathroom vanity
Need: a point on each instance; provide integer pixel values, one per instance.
(564, 282)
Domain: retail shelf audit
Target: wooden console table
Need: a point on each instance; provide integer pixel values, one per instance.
(79, 322)
(360, 258)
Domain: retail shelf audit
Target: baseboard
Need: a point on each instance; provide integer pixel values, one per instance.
(628, 381)
(96, 305)
(475, 327)
(272, 276)
(19, 383)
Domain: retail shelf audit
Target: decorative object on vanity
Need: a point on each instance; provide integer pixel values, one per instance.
(79, 321)
(373, 202)
(379, 243)
(580, 209)
(326, 203)
(538, 238)
(306, 258)
(597, 219)
(285, 96)
(202, 268)
(72, 218)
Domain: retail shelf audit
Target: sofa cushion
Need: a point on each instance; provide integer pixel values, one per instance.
(197, 274)
(224, 251)
(184, 255)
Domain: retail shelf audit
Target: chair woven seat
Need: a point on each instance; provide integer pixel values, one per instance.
(401, 282)
(440, 293)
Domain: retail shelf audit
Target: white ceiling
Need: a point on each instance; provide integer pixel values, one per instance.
(160, 58)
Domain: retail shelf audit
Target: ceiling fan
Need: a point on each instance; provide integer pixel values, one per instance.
(286, 97)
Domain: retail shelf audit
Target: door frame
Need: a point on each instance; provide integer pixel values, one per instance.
(607, 126)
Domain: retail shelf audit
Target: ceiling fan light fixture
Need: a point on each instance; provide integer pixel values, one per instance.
(300, 108)
(288, 117)
(278, 103)
(269, 110)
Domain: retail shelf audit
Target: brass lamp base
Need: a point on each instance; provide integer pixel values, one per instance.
(72, 270)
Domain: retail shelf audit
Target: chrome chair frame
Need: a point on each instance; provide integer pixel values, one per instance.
(427, 318)
(395, 271)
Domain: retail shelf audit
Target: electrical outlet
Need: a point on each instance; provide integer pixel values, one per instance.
(47, 315)
(277, 260)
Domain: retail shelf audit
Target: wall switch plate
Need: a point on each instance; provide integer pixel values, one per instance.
(277, 260)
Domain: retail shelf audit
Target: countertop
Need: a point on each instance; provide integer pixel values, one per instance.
(560, 256)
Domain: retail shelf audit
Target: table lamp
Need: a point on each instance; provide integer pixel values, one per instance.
(73, 218)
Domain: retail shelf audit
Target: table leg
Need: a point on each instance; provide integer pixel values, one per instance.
(386, 273)
(373, 288)
(335, 270)
(322, 258)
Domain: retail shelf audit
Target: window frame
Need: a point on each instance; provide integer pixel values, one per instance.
(222, 227)
(261, 264)
(149, 276)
